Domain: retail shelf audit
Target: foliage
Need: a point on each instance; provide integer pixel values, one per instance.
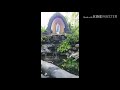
(43, 38)
(43, 29)
(70, 65)
(73, 22)
(63, 47)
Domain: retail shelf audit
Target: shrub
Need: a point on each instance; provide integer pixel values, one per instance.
(70, 65)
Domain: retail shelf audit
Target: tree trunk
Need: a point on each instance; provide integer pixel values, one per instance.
(42, 76)
(55, 72)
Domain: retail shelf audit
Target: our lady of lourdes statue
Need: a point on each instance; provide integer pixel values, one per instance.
(57, 28)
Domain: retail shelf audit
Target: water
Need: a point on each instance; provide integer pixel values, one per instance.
(53, 58)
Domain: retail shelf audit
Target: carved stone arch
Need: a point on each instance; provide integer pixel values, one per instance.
(57, 17)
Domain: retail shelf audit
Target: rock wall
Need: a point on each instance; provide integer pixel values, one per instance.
(49, 49)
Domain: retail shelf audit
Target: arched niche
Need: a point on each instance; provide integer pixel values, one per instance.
(60, 19)
(57, 21)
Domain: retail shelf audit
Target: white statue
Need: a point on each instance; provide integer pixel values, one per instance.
(57, 28)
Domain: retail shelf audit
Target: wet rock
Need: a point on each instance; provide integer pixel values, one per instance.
(77, 45)
(75, 55)
(44, 49)
(74, 48)
(70, 51)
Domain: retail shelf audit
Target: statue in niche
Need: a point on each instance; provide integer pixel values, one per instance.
(57, 28)
(57, 25)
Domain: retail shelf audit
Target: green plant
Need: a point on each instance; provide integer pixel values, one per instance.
(66, 44)
(63, 47)
(73, 38)
(43, 29)
(71, 65)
